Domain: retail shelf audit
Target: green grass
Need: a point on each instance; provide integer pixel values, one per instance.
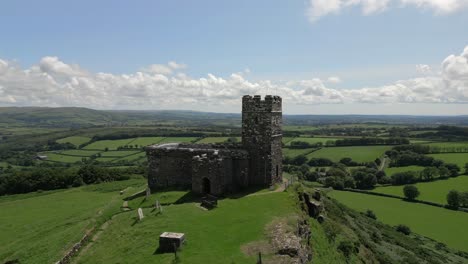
(286, 140)
(166, 197)
(214, 236)
(110, 144)
(441, 224)
(296, 152)
(134, 157)
(314, 140)
(119, 153)
(391, 171)
(435, 191)
(458, 158)
(177, 140)
(75, 140)
(40, 227)
(359, 154)
(80, 152)
(146, 141)
(105, 159)
(324, 250)
(215, 140)
(62, 158)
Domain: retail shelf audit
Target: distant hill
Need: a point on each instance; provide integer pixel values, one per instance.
(84, 117)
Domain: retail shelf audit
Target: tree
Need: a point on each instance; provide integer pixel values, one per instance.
(403, 229)
(464, 199)
(453, 168)
(371, 214)
(411, 192)
(429, 173)
(453, 199)
(444, 172)
(466, 168)
(365, 180)
(299, 160)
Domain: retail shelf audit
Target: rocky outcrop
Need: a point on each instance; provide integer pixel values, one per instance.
(291, 245)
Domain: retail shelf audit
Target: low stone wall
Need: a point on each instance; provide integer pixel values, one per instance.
(76, 248)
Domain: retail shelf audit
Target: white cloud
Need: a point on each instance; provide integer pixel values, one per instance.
(53, 82)
(334, 79)
(320, 8)
(423, 69)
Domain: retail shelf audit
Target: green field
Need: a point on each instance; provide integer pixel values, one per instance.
(216, 140)
(435, 191)
(146, 141)
(449, 144)
(79, 152)
(437, 223)
(286, 140)
(177, 140)
(40, 227)
(287, 152)
(393, 170)
(135, 157)
(119, 153)
(110, 144)
(314, 140)
(76, 140)
(212, 236)
(359, 154)
(458, 158)
(62, 158)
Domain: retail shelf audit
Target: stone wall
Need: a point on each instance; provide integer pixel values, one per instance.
(224, 165)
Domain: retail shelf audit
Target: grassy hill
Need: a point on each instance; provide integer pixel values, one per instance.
(372, 241)
(437, 223)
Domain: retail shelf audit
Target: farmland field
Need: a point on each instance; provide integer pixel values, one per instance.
(215, 140)
(457, 158)
(314, 140)
(177, 139)
(287, 152)
(359, 154)
(434, 222)
(79, 152)
(135, 157)
(75, 140)
(39, 227)
(62, 158)
(393, 170)
(110, 144)
(213, 236)
(435, 191)
(120, 153)
(286, 140)
(146, 141)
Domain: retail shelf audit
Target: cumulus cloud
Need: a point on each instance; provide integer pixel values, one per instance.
(320, 8)
(334, 79)
(53, 82)
(423, 69)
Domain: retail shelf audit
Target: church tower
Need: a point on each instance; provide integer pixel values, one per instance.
(262, 138)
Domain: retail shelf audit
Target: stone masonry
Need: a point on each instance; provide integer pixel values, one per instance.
(225, 168)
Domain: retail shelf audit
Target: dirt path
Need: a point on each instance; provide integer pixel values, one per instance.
(280, 188)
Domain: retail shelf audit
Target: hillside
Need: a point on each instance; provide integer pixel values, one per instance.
(69, 117)
(371, 241)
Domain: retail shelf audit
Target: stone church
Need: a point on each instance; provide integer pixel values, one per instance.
(225, 168)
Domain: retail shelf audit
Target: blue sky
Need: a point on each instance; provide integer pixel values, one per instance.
(264, 41)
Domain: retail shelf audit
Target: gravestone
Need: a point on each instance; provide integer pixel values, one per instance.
(170, 242)
(157, 205)
(140, 214)
(148, 192)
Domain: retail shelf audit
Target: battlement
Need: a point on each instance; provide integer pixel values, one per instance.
(256, 104)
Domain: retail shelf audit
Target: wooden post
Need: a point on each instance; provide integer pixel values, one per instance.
(259, 261)
(175, 251)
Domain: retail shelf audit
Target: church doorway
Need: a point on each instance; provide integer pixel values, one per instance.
(206, 184)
